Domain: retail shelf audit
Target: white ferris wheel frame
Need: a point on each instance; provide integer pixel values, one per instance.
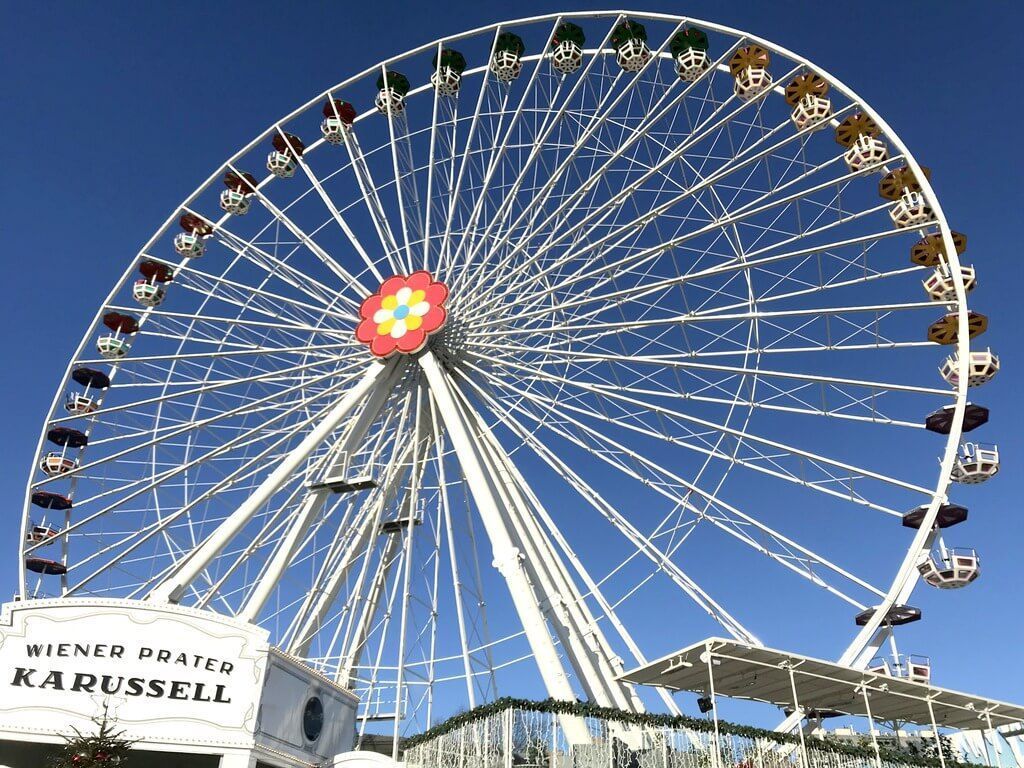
(874, 632)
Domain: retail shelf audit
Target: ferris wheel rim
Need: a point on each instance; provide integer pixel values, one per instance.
(906, 576)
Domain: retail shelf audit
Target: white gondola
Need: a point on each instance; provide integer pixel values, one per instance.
(865, 152)
(506, 65)
(940, 286)
(281, 164)
(567, 57)
(79, 405)
(750, 82)
(189, 244)
(982, 369)
(691, 64)
(632, 55)
(811, 111)
(390, 101)
(112, 346)
(975, 463)
(950, 568)
(234, 202)
(917, 669)
(148, 294)
(911, 211)
(333, 130)
(446, 80)
(54, 464)
(41, 534)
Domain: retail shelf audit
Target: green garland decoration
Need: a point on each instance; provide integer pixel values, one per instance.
(653, 720)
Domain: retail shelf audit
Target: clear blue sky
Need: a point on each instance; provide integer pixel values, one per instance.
(113, 112)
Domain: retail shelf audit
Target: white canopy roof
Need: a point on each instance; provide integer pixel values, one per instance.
(762, 674)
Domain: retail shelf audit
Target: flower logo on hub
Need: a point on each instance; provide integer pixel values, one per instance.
(402, 314)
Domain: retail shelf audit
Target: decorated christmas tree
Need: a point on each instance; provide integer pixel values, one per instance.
(104, 749)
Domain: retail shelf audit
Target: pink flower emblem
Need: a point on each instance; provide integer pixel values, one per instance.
(402, 314)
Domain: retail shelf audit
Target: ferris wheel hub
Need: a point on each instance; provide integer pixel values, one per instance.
(402, 314)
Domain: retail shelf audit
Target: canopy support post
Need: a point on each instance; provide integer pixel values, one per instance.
(871, 724)
(796, 710)
(716, 749)
(935, 731)
(991, 757)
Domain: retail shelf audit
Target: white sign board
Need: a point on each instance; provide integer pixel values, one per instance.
(173, 678)
(171, 675)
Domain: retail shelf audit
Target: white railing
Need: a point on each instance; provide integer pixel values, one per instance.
(517, 738)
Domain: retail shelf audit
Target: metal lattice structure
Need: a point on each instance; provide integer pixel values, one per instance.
(628, 305)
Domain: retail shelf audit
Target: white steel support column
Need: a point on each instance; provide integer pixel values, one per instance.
(352, 654)
(173, 587)
(314, 500)
(594, 662)
(507, 558)
(320, 608)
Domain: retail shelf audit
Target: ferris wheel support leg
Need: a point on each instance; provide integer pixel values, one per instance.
(594, 662)
(173, 587)
(507, 557)
(319, 609)
(353, 654)
(314, 500)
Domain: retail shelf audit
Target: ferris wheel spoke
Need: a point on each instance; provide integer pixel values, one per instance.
(801, 455)
(682, 360)
(308, 622)
(713, 316)
(538, 199)
(329, 352)
(202, 424)
(276, 268)
(237, 321)
(436, 107)
(331, 207)
(752, 261)
(551, 120)
(408, 210)
(755, 207)
(649, 117)
(500, 148)
(643, 254)
(240, 295)
(714, 123)
(758, 461)
(717, 123)
(464, 160)
(643, 544)
(734, 529)
(347, 279)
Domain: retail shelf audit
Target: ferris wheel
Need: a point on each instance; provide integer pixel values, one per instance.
(527, 354)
